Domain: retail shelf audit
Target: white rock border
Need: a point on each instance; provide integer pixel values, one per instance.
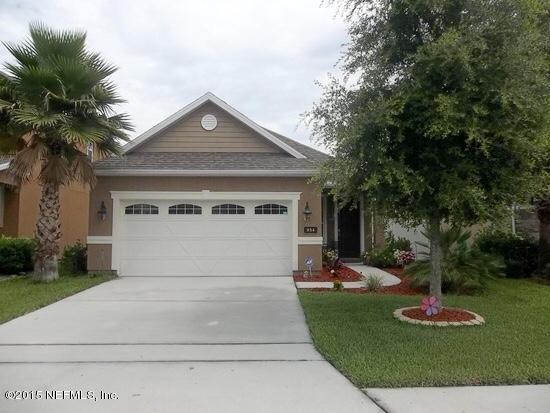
(477, 321)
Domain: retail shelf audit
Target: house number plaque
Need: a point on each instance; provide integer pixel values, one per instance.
(310, 230)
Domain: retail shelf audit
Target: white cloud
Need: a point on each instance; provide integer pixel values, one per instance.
(261, 57)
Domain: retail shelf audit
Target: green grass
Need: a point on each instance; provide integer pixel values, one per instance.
(21, 295)
(358, 335)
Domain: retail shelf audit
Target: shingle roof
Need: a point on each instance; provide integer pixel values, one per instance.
(204, 161)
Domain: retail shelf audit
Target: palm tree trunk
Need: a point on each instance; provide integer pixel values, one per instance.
(48, 233)
(436, 257)
(543, 212)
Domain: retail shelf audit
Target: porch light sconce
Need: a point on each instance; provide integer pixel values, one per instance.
(102, 212)
(307, 212)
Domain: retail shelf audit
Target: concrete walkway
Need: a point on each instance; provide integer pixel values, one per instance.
(155, 344)
(387, 278)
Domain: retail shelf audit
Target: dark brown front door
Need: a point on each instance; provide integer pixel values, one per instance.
(349, 233)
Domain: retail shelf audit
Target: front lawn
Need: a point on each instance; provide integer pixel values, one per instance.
(21, 295)
(358, 334)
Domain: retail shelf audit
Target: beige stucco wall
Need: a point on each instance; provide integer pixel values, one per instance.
(11, 212)
(313, 251)
(187, 135)
(101, 192)
(74, 202)
(99, 257)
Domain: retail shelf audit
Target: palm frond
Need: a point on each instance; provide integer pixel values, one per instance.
(82, 131)
(82, 170)
(25, 161)
(55, 170)
(36, 119)
(48, 42)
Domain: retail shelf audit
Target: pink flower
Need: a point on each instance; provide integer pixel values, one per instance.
(430, 305)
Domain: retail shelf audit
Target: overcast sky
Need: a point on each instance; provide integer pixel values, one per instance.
(260, 57)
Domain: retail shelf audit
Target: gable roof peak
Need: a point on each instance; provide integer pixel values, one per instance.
(210, 97)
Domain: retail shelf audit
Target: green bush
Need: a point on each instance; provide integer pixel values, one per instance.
(464, 269)
(74, 259)
(380, 257)
(520, 254)
(16, 255)
(400, 243)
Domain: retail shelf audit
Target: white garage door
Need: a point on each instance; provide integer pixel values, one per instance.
(204, 238)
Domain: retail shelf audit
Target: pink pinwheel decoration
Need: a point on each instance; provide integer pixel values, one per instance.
(430, 305)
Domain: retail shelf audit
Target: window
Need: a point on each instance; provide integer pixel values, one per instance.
(271, 209)
(228, 209)
(90, 152)
(141, 209)
(184, 209)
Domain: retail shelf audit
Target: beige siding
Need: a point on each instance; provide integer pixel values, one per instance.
(188, 136)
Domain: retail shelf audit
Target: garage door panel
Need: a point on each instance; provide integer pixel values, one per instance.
(205, 245)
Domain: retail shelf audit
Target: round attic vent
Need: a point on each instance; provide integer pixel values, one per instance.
(209, 122)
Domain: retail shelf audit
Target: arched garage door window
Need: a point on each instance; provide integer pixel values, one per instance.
(184, 209)
(227, 209)
(141, 209)
(271, 209)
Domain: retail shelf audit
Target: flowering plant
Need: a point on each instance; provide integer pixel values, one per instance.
(430, 305)
(404, 257)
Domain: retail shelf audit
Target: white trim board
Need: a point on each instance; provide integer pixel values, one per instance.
(99, 239)
(209, 97)
(310, 240)
(209, 172)
(212, 195)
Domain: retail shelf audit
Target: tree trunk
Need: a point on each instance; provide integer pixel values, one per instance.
(436, 257)
(543, 213)
(48, 233)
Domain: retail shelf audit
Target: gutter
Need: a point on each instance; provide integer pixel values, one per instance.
(207, 172)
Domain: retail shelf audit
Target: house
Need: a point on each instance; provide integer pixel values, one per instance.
(210, 192)
(19, 207)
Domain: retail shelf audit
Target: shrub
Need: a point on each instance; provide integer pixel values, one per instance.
(16, 255)
(464, 269)
(374, 282)
(380, 257)
(400, 243)
(329, 256)
(337, 285)
(74, 259)
(520, 254)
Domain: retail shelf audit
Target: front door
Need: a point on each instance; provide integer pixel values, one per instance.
(349, 233)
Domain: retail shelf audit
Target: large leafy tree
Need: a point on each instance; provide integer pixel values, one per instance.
(444, 105)
(55, 100)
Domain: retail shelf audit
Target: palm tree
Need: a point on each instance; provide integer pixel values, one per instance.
(55, 100)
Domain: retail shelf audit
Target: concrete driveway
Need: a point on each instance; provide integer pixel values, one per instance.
(149, 344)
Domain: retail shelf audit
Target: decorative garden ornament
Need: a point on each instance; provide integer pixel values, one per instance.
(430, 305)
(309, 264)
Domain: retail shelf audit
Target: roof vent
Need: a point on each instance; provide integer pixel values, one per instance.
(209, 122)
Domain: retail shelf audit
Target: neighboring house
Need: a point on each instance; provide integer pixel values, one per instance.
(210, 192)
(19, 207)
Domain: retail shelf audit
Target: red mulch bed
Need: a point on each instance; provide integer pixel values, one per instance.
(343, 274)
(347, 274)
(362, 290)
(447, 314)
(404, 287)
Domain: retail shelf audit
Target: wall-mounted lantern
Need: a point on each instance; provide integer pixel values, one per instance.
(307, 212)
(102, 212)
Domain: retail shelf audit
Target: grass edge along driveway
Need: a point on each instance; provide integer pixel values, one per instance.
(21, 295)
(359, 336)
